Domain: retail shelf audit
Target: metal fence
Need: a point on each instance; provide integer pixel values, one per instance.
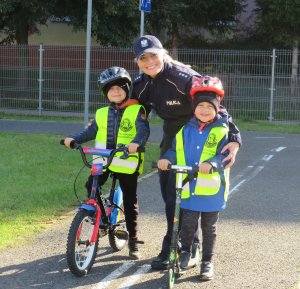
(259, 85)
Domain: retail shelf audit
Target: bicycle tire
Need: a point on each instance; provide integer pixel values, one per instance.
(80, 253)
(117, 244)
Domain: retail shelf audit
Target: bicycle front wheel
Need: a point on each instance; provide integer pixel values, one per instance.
(81, 252)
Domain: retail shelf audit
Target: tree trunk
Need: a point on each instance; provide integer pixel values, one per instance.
(22, 32)
(174, 51)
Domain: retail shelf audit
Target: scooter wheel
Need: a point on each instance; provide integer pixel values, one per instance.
(171, 278)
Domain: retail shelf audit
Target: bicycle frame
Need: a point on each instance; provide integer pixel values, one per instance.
(97, 217)
(92, 203)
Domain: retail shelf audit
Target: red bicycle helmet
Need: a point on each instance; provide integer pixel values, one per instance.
(207, 83)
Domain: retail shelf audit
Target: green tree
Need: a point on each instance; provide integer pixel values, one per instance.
(117, 22)
(114, 23)
(181, 19)
(278, 22)
(19, 17)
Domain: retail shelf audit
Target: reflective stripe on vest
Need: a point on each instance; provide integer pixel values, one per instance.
(126, 133)
(206, 184)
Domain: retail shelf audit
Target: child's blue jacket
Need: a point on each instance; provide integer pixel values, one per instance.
(194, 141)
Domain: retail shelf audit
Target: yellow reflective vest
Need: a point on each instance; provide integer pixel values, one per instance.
(126, 133)
(206, 184)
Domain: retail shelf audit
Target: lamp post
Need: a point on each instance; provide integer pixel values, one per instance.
(87, 62)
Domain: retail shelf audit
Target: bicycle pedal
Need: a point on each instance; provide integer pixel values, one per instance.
(102, 233)
(120, 234)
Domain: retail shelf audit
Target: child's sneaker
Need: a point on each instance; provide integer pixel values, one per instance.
(185, 260)
(206, 271)
(161, 262)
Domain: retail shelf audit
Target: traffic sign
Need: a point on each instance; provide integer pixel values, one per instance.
(145, 5)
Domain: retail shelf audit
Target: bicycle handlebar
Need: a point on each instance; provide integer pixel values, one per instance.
(178, 168)
(109, 153)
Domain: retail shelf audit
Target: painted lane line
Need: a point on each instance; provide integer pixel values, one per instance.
(147, 176)
(235, 188)
(267, 158)
(104, 283)
(242, 173)
(256, 171)
(270, 137)
(279, 149)
(251, 176)
(136, 276)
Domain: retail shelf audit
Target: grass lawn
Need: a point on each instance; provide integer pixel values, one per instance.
(37, 176)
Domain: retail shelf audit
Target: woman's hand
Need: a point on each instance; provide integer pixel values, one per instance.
(163, 164)
(233, 148)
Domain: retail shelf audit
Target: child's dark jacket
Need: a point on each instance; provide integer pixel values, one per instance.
(115, 114)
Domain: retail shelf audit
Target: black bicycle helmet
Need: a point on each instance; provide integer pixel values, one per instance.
(114, 76)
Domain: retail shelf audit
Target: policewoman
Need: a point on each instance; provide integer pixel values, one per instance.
(122, 122)
(164, 86)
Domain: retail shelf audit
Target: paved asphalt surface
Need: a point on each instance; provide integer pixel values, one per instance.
(61, 128)
(258, 245)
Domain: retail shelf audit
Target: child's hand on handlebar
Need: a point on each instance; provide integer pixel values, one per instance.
(205, 168)
(132, 147)
(68, 141)
(163, 164)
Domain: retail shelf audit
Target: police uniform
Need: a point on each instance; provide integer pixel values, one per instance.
(169, 95)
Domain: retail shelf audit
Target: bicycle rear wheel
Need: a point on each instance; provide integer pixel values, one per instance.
(81, 253)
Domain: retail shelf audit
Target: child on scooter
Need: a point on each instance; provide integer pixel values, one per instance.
(200, 143)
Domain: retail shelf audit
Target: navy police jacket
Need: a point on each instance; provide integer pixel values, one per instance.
(169, 95)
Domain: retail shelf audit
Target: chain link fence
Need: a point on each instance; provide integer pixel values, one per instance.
(259, 84)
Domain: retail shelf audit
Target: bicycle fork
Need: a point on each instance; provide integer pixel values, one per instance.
(92, 206)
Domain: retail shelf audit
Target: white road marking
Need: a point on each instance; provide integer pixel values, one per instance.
(267, 157)
(269, 137)
(147, 176)
(235, 188)
(279, 149)
(104, 283)
(250, 176)
(133, 278)
(256, 171)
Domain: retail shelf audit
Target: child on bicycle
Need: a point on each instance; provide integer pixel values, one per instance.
(200, 143)
(122, 122)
